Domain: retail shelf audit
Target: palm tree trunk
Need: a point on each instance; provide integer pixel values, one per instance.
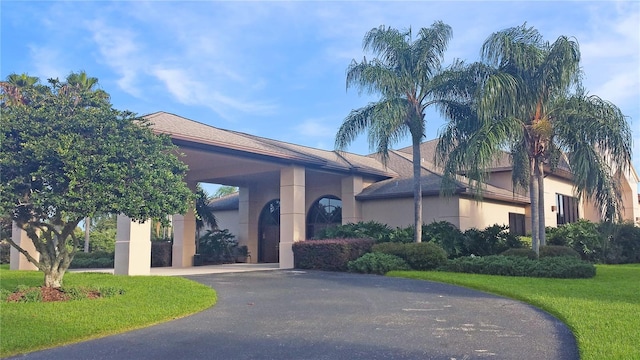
(87, 232)
(417, 191)
(534, 196)
(541, 209)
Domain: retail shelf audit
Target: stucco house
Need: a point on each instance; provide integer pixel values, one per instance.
(288, 191)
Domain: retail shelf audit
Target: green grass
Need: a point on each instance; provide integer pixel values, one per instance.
(603, 312)
(147, 300)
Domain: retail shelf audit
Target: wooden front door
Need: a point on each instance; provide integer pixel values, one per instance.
(269, 233)
(270, 244)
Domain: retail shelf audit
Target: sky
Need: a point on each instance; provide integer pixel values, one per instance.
(277, 69)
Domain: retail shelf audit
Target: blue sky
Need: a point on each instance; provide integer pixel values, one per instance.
(277, 69)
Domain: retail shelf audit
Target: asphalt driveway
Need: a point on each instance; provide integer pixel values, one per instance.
(319, 315)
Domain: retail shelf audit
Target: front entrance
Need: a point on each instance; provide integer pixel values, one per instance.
(269, 233)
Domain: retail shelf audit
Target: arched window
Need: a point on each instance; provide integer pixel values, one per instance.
(325, 212)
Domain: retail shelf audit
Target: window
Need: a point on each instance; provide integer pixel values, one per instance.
(567, 211)
(325, 212)
(516, 224)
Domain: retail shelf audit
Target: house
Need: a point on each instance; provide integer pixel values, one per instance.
(287, 192)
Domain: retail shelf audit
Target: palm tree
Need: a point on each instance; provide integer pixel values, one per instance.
(16, 88)
(402, 74)
(526, 96)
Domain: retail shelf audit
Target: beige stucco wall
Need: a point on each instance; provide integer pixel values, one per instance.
(479, 215)
(228, 219)
(398, 212)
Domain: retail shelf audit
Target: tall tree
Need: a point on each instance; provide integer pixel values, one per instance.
(526, 96)
(67, 154)
(402, 73)
(17, 88)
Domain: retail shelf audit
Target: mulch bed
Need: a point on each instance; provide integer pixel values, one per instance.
(50, 294)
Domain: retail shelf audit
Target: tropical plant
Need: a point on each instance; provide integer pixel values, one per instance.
(67, 154)
(18, 89)
(526, 96)
(402, 74)
(204, 214)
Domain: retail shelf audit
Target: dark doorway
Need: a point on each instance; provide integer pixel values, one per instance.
(269, 233)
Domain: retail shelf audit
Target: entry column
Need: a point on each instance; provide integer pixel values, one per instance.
(292, 211)
(133, 247)
(184, 239)
(17, 261)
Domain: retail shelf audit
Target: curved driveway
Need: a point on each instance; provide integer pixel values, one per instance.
(321, 315)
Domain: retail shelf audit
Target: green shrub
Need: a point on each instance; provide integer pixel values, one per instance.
(366, 230)
(622, 242)
(329, 254)
(377, 263)
(419, 256)
(75, 293)
(521, 252)
(5, 251)
(217, 246)
(525, 241)
(98, 259)
(582, 236)
(161, 252)
(445, 234)
(557, 251)
(402, 235)
(551, 267)
(492, 240)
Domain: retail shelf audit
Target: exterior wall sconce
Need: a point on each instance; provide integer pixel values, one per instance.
(553, 208)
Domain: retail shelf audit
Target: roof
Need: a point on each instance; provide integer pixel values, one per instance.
(431, 181)
(227, 202)
(181, 129)
(502, 162)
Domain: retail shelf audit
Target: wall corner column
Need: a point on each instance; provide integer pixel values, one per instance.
(133, 247)
(351, 208)
(17, 261)
(292, 212)
(184, 239)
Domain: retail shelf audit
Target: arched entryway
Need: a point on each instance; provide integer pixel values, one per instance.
(269, 233)
(325, 212)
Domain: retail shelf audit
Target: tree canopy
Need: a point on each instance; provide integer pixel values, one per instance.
(67, 154)
(403, 73)
(526, 97)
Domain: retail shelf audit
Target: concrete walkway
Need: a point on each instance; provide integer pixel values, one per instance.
(288, 314)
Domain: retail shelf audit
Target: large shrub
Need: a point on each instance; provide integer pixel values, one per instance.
(622, 242)
(97, 259)
(551, 267)
(368, 230)
(377, 263)
(558, 251)
(520, 252)
(419, 256)
(445, 234)
(217, 246)
(582, 236)
(493, 240)
(329, 254)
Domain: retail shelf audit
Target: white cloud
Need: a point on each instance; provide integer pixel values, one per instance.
(118, 50)
(46, 63)
(315, 128)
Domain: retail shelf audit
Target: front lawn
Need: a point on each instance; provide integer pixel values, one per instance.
(147, 300)
(603, 312)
